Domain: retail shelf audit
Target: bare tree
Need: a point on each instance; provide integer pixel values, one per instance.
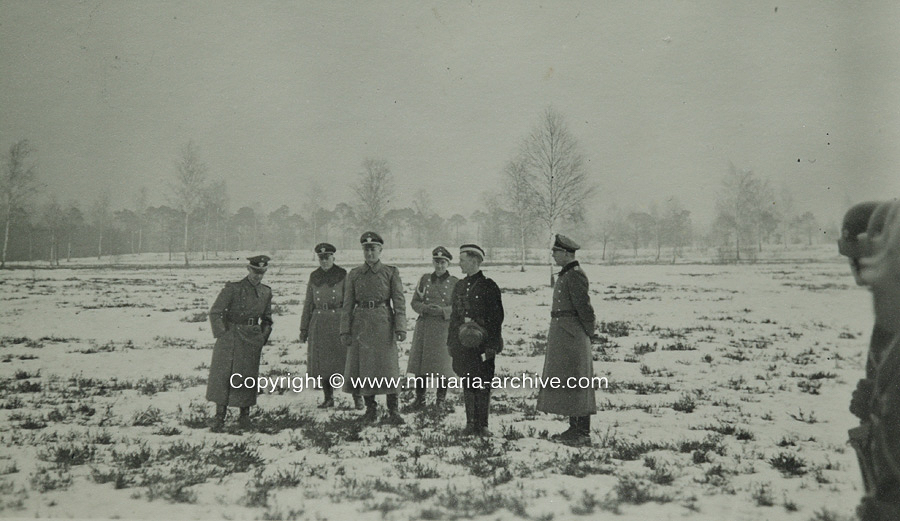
(808, 223)
(100, 219)
(313, 208)
(519, 195)
(764, 217)
(74, 220)
(374, 191)
(18, 184)
(54, 220)
(611, 227)
(785, 213)
(676, 226)
(188, 188)
(737, 206)
(639, 227)
(213, 202)
(557, 177)
(423, 211)
(456, 220)
(140, 210)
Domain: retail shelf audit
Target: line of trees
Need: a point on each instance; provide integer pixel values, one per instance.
(545, 189)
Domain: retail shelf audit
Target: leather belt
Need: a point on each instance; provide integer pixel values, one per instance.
(249, 321)
(371, 304)
(564, 313)
(325, 307)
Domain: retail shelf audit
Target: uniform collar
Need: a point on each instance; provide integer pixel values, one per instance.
(445, 276)
(250, 285)
(567, 267)
(374, 268)
(475, 276)
(330, 277)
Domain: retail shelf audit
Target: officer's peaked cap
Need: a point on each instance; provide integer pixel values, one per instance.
(324, 247)
(441, 253)
(259, 263)
(561, 242)
(371, 238)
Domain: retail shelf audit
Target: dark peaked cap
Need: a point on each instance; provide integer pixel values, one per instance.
(324, 247)
(564, 243)
(371, 238)
(441, 253)
(259, 263)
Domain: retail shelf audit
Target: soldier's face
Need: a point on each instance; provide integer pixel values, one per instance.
(468, 263)
(254, 277)
(372, 252)
(560, 257)
(440, 266)
(326, 261)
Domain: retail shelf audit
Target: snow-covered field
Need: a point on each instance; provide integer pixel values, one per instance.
(727, 399)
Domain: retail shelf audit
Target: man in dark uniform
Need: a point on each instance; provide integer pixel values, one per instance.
(880, 271)
(862, 222)
(474, 337)
(241, 320)
(569, 347)
(372, 322)
(320, 323)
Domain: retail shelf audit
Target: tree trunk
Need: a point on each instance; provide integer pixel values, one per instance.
(206, 237)
(186, 217)
(6, 237)
(603, 255)
(100, 246)
(140, 239)
(522, 237)
(69, 249)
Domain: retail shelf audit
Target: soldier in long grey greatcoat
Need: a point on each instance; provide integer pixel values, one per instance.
(568, 355)
(428, 354)
(372, 322)
(880, 270)
(241, 320)
(320, 323)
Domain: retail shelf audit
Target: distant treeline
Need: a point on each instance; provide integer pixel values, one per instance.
(545, 189)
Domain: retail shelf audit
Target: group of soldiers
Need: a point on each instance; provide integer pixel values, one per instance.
(352, 322)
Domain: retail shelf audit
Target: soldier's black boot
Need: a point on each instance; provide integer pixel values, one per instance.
(393, 403)
(371, 410)
(568, 433)
(440, 401)
(244, 419)
(329, 398)
(469, 400)
(420, 398)
(357, 402)
(582, 434)
(217, 423)
(482, 411)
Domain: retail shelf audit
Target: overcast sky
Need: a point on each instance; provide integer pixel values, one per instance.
(660, 95)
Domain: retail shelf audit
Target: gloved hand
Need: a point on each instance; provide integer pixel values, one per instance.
(862, 398)
(304, 336)
(346, 339)
(401, 336)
